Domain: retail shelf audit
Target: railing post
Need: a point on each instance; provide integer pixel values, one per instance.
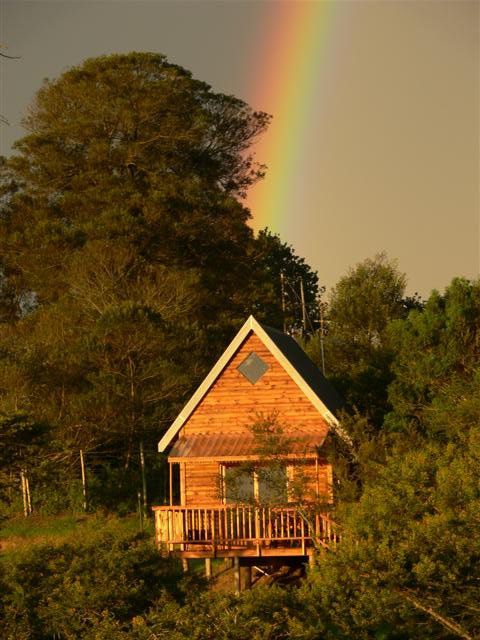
(214, 543)
(169, 530)
(302, 531)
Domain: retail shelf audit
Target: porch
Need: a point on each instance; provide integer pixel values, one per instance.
(242, 531)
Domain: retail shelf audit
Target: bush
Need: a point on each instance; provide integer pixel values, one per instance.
(69, 590)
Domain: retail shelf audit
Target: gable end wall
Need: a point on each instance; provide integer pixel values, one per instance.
(231, 405)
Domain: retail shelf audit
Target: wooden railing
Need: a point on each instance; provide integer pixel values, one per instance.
(230, 527)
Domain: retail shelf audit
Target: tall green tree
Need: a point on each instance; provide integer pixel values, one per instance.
(357, 352)
(126, 258)
(282, 273)
(435, 349)
(132, 146)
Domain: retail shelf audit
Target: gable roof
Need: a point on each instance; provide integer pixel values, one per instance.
(293, 359)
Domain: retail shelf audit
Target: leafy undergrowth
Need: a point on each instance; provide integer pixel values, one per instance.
(99, 575)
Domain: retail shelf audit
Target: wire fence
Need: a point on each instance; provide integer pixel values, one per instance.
(115, 479)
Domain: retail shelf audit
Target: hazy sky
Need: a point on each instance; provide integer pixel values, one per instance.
(388, 156)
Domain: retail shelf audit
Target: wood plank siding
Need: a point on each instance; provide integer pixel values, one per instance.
(232, 405)
(232, 402)
(202, 484)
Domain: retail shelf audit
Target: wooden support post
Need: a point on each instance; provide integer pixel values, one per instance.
(185, 565)
(236, 574)
(322, 335)
(84, 481)
(208, 568)
(246, 577)
(311, 560)
(144, 479)
(183, 483)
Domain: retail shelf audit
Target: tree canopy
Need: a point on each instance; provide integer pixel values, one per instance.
(127, 260)
(131, 148)
(357, 350)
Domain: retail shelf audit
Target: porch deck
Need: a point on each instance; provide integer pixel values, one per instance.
(229, 531)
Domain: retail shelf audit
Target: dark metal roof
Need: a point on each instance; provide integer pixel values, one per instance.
(218, 445)
(307, 369)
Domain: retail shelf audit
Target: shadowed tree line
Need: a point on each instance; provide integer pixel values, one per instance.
(127, 262)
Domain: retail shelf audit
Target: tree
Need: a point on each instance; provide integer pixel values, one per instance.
(357, 352)
(412, 514)
(413, 553)
(445, 340)
(3, 119)
(127, 260)
(277, 261)
(132, 146)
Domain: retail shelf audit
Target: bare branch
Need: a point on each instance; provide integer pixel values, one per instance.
(445, 622)
(4, 55)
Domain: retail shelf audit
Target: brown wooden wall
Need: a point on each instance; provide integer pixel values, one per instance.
(231, 405)
(315, 479)
(202, 484)
(232, 401)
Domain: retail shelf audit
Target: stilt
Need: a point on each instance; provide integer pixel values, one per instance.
(246, 577)
(236, 574)
(185, 565)
(208, 568)
(311, 560)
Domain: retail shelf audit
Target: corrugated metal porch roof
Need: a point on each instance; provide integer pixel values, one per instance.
(241, 444)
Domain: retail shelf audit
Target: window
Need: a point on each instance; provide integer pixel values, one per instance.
(271, 484)
(238, 485)
(265, 484)
(253, 367)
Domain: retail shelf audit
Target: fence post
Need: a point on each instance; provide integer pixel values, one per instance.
(144, 478)
(84, 481)
(140, 510)
(29, 499)
(24, 493)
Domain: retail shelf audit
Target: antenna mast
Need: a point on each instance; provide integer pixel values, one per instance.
(282, 289)
(304, 309)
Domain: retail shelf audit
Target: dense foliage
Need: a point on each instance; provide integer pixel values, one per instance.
(126, 263)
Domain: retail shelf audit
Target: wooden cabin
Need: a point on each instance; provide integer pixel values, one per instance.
(263, 382)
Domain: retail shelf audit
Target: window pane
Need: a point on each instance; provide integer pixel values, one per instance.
(238, 485)
(253, 367)
(272, 484)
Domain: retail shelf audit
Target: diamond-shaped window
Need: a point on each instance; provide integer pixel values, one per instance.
(253, 367)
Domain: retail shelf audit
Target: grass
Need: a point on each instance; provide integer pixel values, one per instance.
(19, 533)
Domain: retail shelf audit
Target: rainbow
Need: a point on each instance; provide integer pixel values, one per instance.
(294, 44)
